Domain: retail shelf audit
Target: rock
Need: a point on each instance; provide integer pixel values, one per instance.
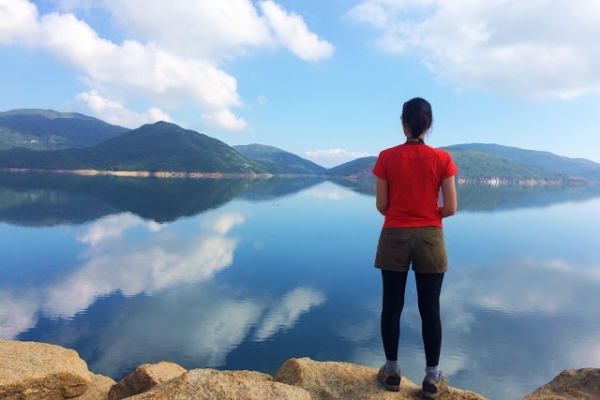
(98, 389)
(571, 384)
(30, 370)
(339, 380)
(209, 384)
(144, 378)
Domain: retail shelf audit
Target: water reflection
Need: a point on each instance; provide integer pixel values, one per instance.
(51, 199)
(267, 270)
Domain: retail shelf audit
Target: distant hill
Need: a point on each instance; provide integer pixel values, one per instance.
(272, 154)
(37, 129)
(359, 168)
(473, 165)
(541, 159)
(155, 147)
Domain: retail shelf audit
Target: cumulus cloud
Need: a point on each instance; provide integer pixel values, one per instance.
(116, 113)
(291, 31)
(333, 157)
(527, 49)
(170, 56)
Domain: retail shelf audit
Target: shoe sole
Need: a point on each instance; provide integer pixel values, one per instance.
(391, 388)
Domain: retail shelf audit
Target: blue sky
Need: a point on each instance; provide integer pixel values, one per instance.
(324, 79)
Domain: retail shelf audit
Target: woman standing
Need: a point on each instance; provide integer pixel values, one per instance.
(409, 179)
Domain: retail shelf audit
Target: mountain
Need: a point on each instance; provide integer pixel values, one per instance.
(155, 147)
(541, 159)
(361, 167)
(472, 164)
(51, 130)
(277, 156)
(475, 164)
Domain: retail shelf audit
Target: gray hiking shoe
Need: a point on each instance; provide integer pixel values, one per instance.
(432, 389)
(389, 381)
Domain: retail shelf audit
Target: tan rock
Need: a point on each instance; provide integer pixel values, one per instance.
(571, 384)
(209, 384)
(338, 380)
(144, 378)
(98, 389)
(30, 370)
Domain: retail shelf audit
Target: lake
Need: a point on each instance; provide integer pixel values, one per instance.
(245, 274)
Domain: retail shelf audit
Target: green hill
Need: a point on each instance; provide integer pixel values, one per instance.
(359, 168)
(473, 165)
(156, 147)
(541, 159)
(280, 157)
(51, 130)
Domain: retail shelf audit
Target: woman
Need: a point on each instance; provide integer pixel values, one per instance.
(409, 179)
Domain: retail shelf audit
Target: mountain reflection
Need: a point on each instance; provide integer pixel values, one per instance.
(54, 199)
(490, 198)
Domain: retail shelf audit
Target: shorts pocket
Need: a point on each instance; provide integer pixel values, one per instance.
(393, 253)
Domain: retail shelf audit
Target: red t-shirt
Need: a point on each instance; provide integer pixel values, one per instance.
(414, 172)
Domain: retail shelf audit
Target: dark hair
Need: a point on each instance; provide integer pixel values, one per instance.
(417, 116)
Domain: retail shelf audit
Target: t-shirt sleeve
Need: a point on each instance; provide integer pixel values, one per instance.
(451, 168)
(379, 167)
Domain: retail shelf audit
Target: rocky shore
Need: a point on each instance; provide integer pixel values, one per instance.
(31, 371)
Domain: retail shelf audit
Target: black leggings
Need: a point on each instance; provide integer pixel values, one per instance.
(429, 287)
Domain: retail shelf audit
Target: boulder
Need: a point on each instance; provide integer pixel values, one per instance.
(209, 384)
(571, 384)
(30, 370)
(339, 380)
(144, 378)
(98, 389)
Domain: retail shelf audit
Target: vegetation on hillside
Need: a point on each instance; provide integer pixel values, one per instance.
(280, 157)
(51, 130)
(157, 147)
(540, 159)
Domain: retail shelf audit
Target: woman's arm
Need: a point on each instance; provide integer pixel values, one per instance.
(449, 195)
(381, 195)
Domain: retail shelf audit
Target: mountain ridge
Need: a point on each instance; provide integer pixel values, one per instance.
(166, 147)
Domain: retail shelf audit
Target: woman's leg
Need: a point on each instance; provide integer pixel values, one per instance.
(429, 287)
(394, 284)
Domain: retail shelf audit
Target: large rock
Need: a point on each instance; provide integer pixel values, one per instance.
(571, 384)
(144, 378)
(98, 389)
(32, 371)
(209, 384)
(339, 380)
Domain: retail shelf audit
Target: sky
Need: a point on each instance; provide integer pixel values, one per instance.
(324, 79)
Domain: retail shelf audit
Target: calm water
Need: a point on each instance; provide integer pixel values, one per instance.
(246, 274)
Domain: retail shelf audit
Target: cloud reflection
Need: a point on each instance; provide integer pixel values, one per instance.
(112, 227)
(131, 268)
(287, 312)
(508, 328)
(187, 315)
(329, 191)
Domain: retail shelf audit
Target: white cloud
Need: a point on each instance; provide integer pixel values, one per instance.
(18, 21)
(333, 157)
(528, 49)
(170, 57)
(115, 113)
(291, 31)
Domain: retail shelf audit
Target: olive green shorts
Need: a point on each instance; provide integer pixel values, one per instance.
(423, 248)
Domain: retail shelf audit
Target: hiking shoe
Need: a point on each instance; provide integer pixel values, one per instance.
(389, 381)
(432, 389)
